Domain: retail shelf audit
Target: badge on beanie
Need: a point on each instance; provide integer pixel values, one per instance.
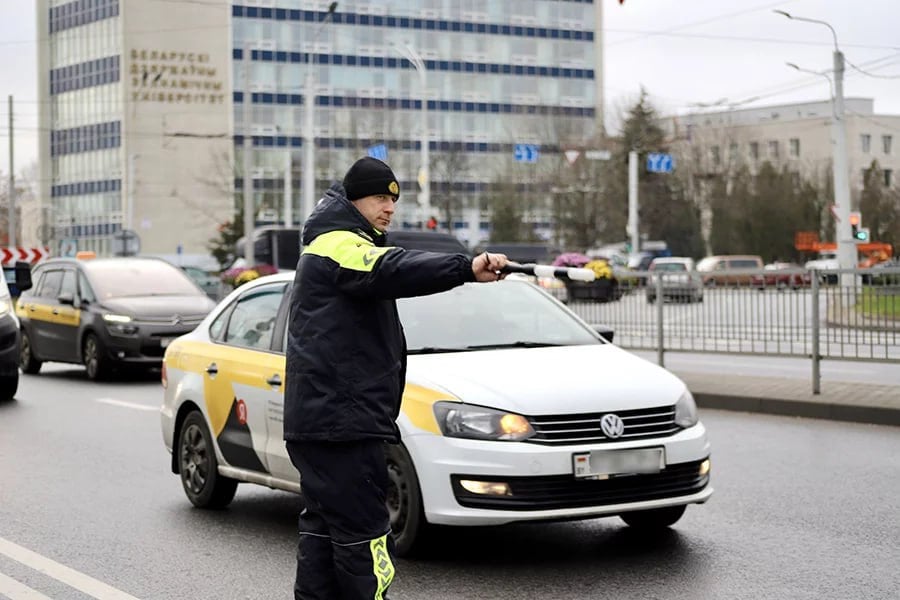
(394, 188)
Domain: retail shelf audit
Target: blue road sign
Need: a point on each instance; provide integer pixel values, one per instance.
(526, 153)
(657, 162)
(379, 152)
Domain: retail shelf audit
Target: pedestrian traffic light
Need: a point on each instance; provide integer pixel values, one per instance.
(432, 224)
(861, 234)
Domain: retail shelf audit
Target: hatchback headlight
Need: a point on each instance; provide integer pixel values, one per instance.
(686, 410)
(480, 423)
(119, 324)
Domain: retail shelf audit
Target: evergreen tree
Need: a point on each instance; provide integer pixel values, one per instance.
(880, 207)
(224, 247)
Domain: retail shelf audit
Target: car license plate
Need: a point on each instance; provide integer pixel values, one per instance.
(164, 342)
(600, 464)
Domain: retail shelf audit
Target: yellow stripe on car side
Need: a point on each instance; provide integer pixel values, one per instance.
(64, 315)
(418, 403)
(196, 356)
(349, 250)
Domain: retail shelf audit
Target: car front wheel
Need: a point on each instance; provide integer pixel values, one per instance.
(654, 518)
(95, 361)
(198, 466)
(27, 362)
(404, 501)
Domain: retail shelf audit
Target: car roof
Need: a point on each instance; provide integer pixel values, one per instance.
(431, 241)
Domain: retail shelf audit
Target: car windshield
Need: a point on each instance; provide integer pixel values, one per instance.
(116, 278)
(509, 314)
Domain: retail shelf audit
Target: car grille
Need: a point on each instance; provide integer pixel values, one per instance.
(564, 491)
(183, 322)
(558, 430)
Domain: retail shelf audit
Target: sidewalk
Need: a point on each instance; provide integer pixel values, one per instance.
(840, 401)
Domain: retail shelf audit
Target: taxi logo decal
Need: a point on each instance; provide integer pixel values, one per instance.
(236, 442)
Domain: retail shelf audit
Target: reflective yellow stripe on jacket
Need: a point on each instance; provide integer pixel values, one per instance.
(347, 249)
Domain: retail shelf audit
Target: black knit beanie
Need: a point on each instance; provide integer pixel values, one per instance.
(370, 177)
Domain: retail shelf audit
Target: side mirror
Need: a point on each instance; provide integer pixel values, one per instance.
(23, 276)
(66, 298)
(605, 332)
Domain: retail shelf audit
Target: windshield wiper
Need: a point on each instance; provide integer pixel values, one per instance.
(434, 350)
(519, 344)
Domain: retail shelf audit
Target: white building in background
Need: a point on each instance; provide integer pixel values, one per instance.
(143, 103)
(136, 121)
(794, 135)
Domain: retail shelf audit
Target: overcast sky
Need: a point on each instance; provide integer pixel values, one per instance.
(683, 52)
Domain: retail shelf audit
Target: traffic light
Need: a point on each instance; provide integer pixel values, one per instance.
(855, 220)
(432, 224)
(861, 234)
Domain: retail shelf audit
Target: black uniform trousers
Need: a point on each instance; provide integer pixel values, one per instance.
(345, 547)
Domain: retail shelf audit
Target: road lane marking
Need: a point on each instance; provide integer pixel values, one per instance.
(126, 404)
(12, 589)
(81, 582)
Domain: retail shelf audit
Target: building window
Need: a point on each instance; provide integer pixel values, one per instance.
(866, 141)
(773, 149)
(754, 150)
(886, 143)
(795, 147)
(888, 179)
(714, 156)
(733, 152)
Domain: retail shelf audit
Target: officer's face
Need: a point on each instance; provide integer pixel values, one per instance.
(378, 210)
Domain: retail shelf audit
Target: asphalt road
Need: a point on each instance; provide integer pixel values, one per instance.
(803, 509)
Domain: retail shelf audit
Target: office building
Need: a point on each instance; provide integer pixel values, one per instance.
(144, 114)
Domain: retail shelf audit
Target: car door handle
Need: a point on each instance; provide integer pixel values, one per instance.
(55, 311)
(274, 380)
(212, 369)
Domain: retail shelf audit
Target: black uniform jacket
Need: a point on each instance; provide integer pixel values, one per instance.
(346, 353)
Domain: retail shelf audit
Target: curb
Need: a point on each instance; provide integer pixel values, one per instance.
(875, 415)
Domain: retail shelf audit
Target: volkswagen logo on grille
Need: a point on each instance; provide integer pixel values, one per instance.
(612, 426)
(177, 320)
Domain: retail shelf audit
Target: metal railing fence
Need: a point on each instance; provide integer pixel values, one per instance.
(849, 314)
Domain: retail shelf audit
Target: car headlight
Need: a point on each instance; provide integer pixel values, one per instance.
(479, 423)
(686, 410)
(120, 324)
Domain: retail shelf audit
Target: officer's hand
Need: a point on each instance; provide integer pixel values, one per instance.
(486, 267)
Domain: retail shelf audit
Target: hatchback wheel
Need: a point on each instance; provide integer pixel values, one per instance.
(654, 518)
(95, 361)
(198, 466)
(404, 502)
(27, 362)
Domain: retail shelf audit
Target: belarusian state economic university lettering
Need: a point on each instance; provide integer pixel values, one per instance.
(174, 77)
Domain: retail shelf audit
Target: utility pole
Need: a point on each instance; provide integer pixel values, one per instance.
(843, 234)
(308, 200)
(11, 186)
(633, 224)
(424, 177)
(288, 190)
(249, 217)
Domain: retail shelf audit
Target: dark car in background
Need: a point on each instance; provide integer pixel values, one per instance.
(19, 279)
(106, 313)
(431, 241)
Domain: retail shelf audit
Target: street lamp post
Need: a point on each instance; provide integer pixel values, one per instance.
(309, 138)
(846, 247)
(424, 177)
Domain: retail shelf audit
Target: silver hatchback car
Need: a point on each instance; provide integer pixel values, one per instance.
(675, 278)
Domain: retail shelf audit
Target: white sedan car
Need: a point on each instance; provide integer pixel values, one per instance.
(562, 425)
